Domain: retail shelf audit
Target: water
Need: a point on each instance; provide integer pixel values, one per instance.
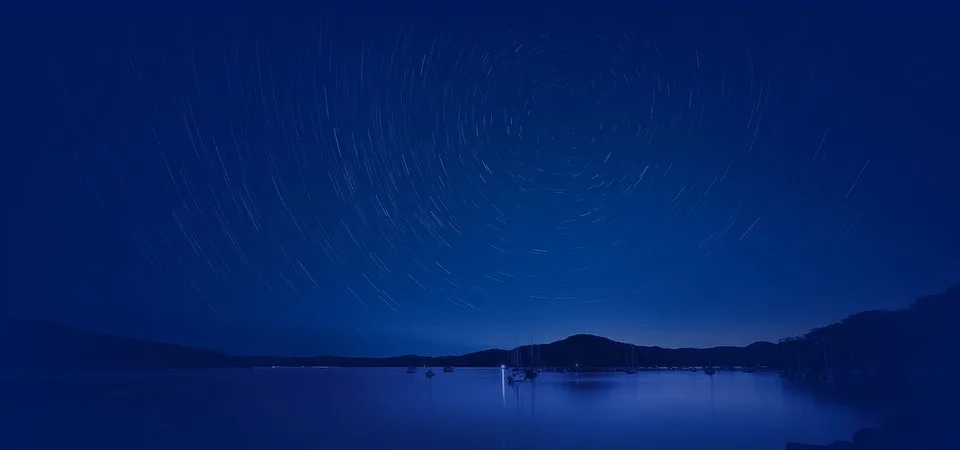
(336, 408)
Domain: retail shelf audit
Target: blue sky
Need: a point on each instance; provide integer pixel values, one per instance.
(337, 184)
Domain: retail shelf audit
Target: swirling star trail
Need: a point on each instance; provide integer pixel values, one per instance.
(379, 189)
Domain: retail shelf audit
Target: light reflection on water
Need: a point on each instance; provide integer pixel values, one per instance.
(387, 408)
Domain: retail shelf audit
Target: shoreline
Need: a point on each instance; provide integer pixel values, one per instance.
(921, 414)
(897, 432)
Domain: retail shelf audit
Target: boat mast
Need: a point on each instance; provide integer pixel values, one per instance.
(531, 349)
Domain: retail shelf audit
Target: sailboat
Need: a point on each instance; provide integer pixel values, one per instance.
(517, 375)
(710, 370)
(533, 371)
(633, 360)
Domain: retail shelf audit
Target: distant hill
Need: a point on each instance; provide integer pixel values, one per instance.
(45, 345)
(583, 349)
(919, 336)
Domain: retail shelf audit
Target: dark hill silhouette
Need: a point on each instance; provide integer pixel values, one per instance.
(919, 337)
(43, 345)
(46, 345)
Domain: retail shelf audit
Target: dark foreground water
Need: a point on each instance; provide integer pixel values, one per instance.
(328, 409)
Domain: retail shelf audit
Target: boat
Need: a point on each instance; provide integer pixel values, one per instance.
(411, 369)
(710, 370)
(430, 373)
(448, 369)
(517, 375)
(531, 372)
(633, 360)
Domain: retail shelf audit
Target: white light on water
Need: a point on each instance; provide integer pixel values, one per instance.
(503, 387)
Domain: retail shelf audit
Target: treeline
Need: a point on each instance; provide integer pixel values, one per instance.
(920, 338)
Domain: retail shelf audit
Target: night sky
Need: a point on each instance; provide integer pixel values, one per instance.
(294, 182)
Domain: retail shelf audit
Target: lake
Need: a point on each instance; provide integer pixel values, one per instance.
(340, 408)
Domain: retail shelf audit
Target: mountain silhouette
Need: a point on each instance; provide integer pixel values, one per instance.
(30, 344)
(46, 345)
(919, 337)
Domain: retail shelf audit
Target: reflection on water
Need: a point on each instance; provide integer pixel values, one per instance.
(503, 387)
(387, 408)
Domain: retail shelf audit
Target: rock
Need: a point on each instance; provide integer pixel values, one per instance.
(835, 445)
(904, 431)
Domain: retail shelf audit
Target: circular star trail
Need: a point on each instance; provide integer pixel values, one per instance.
(408, 179)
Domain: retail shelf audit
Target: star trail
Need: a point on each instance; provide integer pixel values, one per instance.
(383, 188)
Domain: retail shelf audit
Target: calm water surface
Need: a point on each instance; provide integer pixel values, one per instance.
(386, 408)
